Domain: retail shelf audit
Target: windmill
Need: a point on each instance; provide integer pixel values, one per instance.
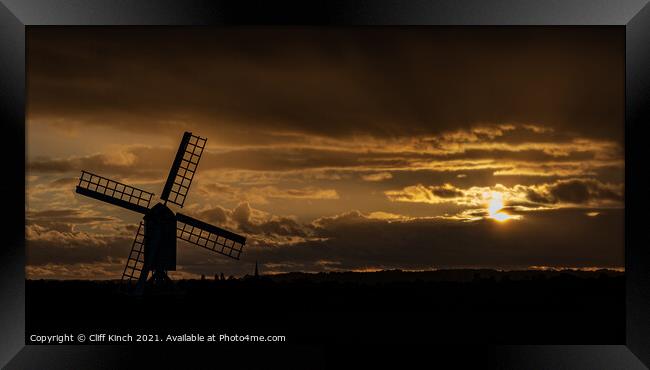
(154, 246)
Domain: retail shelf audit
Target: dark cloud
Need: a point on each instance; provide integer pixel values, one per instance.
(576, 191)
(242, 213)
(355, 240)
(143, 164)
(275, 226)
(146, 163)
(49, 245)
(66, 183)
(216, 215)
(284, 159)
(65, 220)
(446, 192)
(254, 223)
(386, 82)
(559, 238)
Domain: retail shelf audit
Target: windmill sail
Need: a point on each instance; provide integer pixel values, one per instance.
(209, 236)
(135, 263)
(114, 192)
(182, 172)
(154, 252)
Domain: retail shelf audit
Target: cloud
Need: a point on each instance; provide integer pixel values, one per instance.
(562, 193)
(576, 191)
(342, 82)
(96, 270)
(356, 241)
(303, 193)
(218, 215)
(63, 223)
(63, 183)
(269, 227)
(47, 245)
(360, 241)
(257, 225)
(139, 164)
(446, 193)
(75, 216)
(372, 159)
(262, 195)
(377, 176)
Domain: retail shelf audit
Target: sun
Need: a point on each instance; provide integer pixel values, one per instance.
(495, 207)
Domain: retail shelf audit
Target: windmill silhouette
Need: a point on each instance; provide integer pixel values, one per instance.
(154, 246)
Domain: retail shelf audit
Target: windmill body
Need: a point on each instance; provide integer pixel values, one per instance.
(160, 240)
(154, 247)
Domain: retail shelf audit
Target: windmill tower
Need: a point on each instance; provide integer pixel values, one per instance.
(154, 247)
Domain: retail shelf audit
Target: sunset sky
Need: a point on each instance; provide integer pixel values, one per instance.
(333, 149)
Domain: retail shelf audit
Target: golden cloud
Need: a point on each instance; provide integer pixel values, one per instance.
(578, 192)
(377, 176)
(262, 195)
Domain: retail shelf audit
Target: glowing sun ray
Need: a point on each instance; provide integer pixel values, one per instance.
(495, 207)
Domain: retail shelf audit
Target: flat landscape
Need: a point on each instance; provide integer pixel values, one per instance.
(445, 306)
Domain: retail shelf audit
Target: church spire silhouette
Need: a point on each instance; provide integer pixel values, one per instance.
(257, 271)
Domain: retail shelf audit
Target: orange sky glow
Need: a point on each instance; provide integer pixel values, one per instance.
(349, 149)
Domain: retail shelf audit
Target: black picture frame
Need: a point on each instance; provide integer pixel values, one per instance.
(633, 15)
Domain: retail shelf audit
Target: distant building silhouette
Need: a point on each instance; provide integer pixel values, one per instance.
(257, 271)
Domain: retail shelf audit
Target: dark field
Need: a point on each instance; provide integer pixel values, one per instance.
(452, 306)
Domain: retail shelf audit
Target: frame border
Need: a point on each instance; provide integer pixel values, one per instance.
(634, 15)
